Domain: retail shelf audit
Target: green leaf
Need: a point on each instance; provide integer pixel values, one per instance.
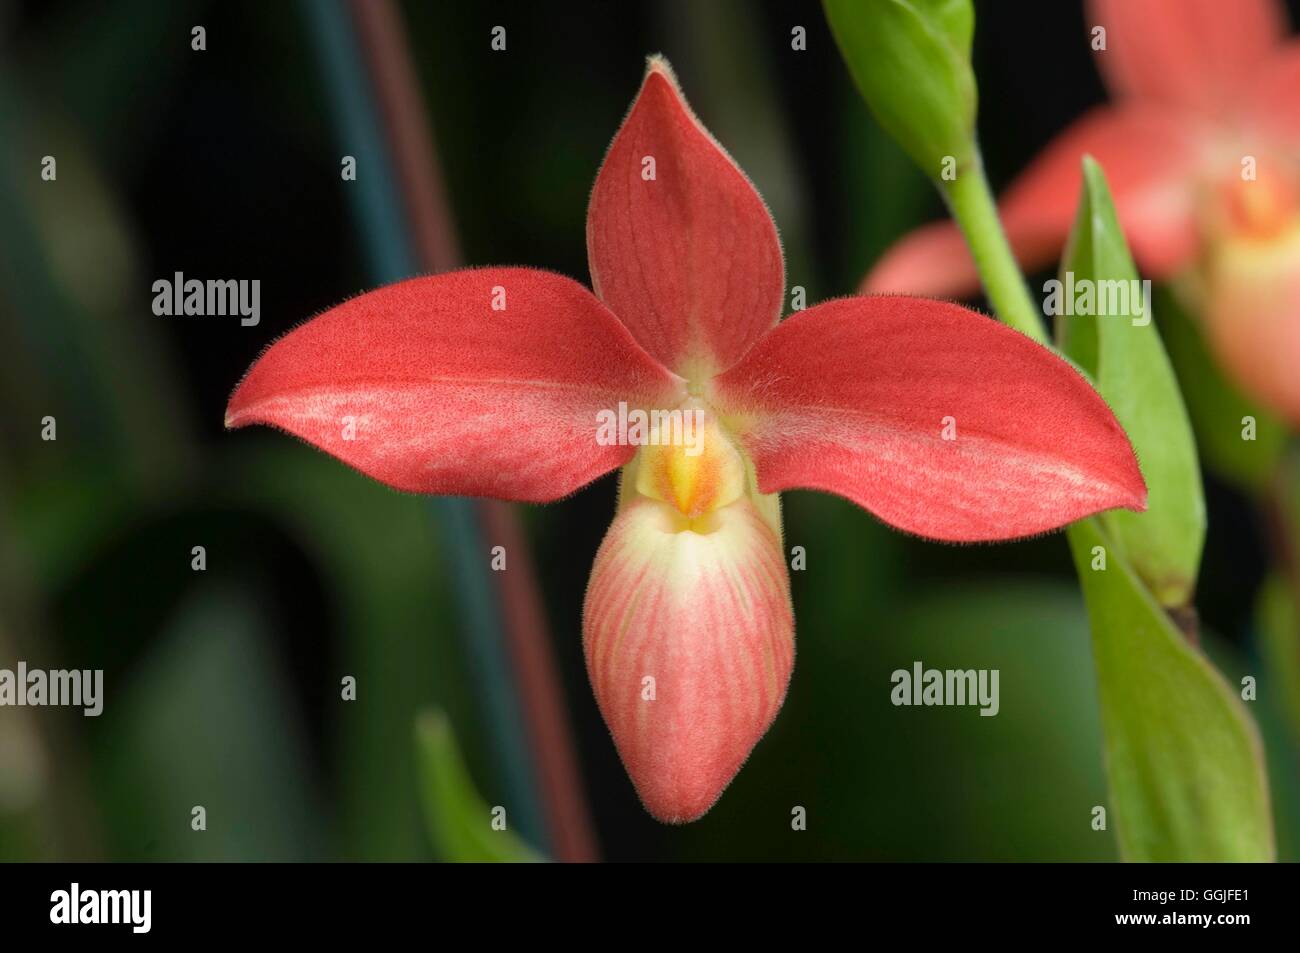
(459, 821)
(911, 61)
(1121, 348)
(1185, 765)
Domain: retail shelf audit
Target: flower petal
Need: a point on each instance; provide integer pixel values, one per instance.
(689, 639)
(1188, 53)
(1273, 104)
(932, 260)
(681, 247)
(1151, 159)
(484, 382)
(1252, 314)
(936, 419)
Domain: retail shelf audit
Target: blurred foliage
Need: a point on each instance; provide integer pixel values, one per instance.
(460, 823)
(1278, 679)
(387, 599)
(205, 722)
(1279, 624)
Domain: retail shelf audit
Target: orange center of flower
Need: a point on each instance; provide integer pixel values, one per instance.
(1261, 208)
(690, 463)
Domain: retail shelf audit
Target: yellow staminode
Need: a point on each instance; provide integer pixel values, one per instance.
(698, 473)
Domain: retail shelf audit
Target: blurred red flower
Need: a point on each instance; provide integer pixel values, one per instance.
(1201, 146)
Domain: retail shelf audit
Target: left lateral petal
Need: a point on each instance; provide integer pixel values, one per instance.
(681, 247)
(689, 640)
(938, 420)
(484, 382)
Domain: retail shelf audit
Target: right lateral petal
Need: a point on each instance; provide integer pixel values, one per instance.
(485, 382)
(938, 420)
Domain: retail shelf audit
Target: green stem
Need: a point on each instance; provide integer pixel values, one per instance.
(972, 205)
(971, 201)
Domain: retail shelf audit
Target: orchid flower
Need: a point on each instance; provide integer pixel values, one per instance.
(1202, 149)
(501, 382)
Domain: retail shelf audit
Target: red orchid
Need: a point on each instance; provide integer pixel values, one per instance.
(494, 381)
(1202, 150)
